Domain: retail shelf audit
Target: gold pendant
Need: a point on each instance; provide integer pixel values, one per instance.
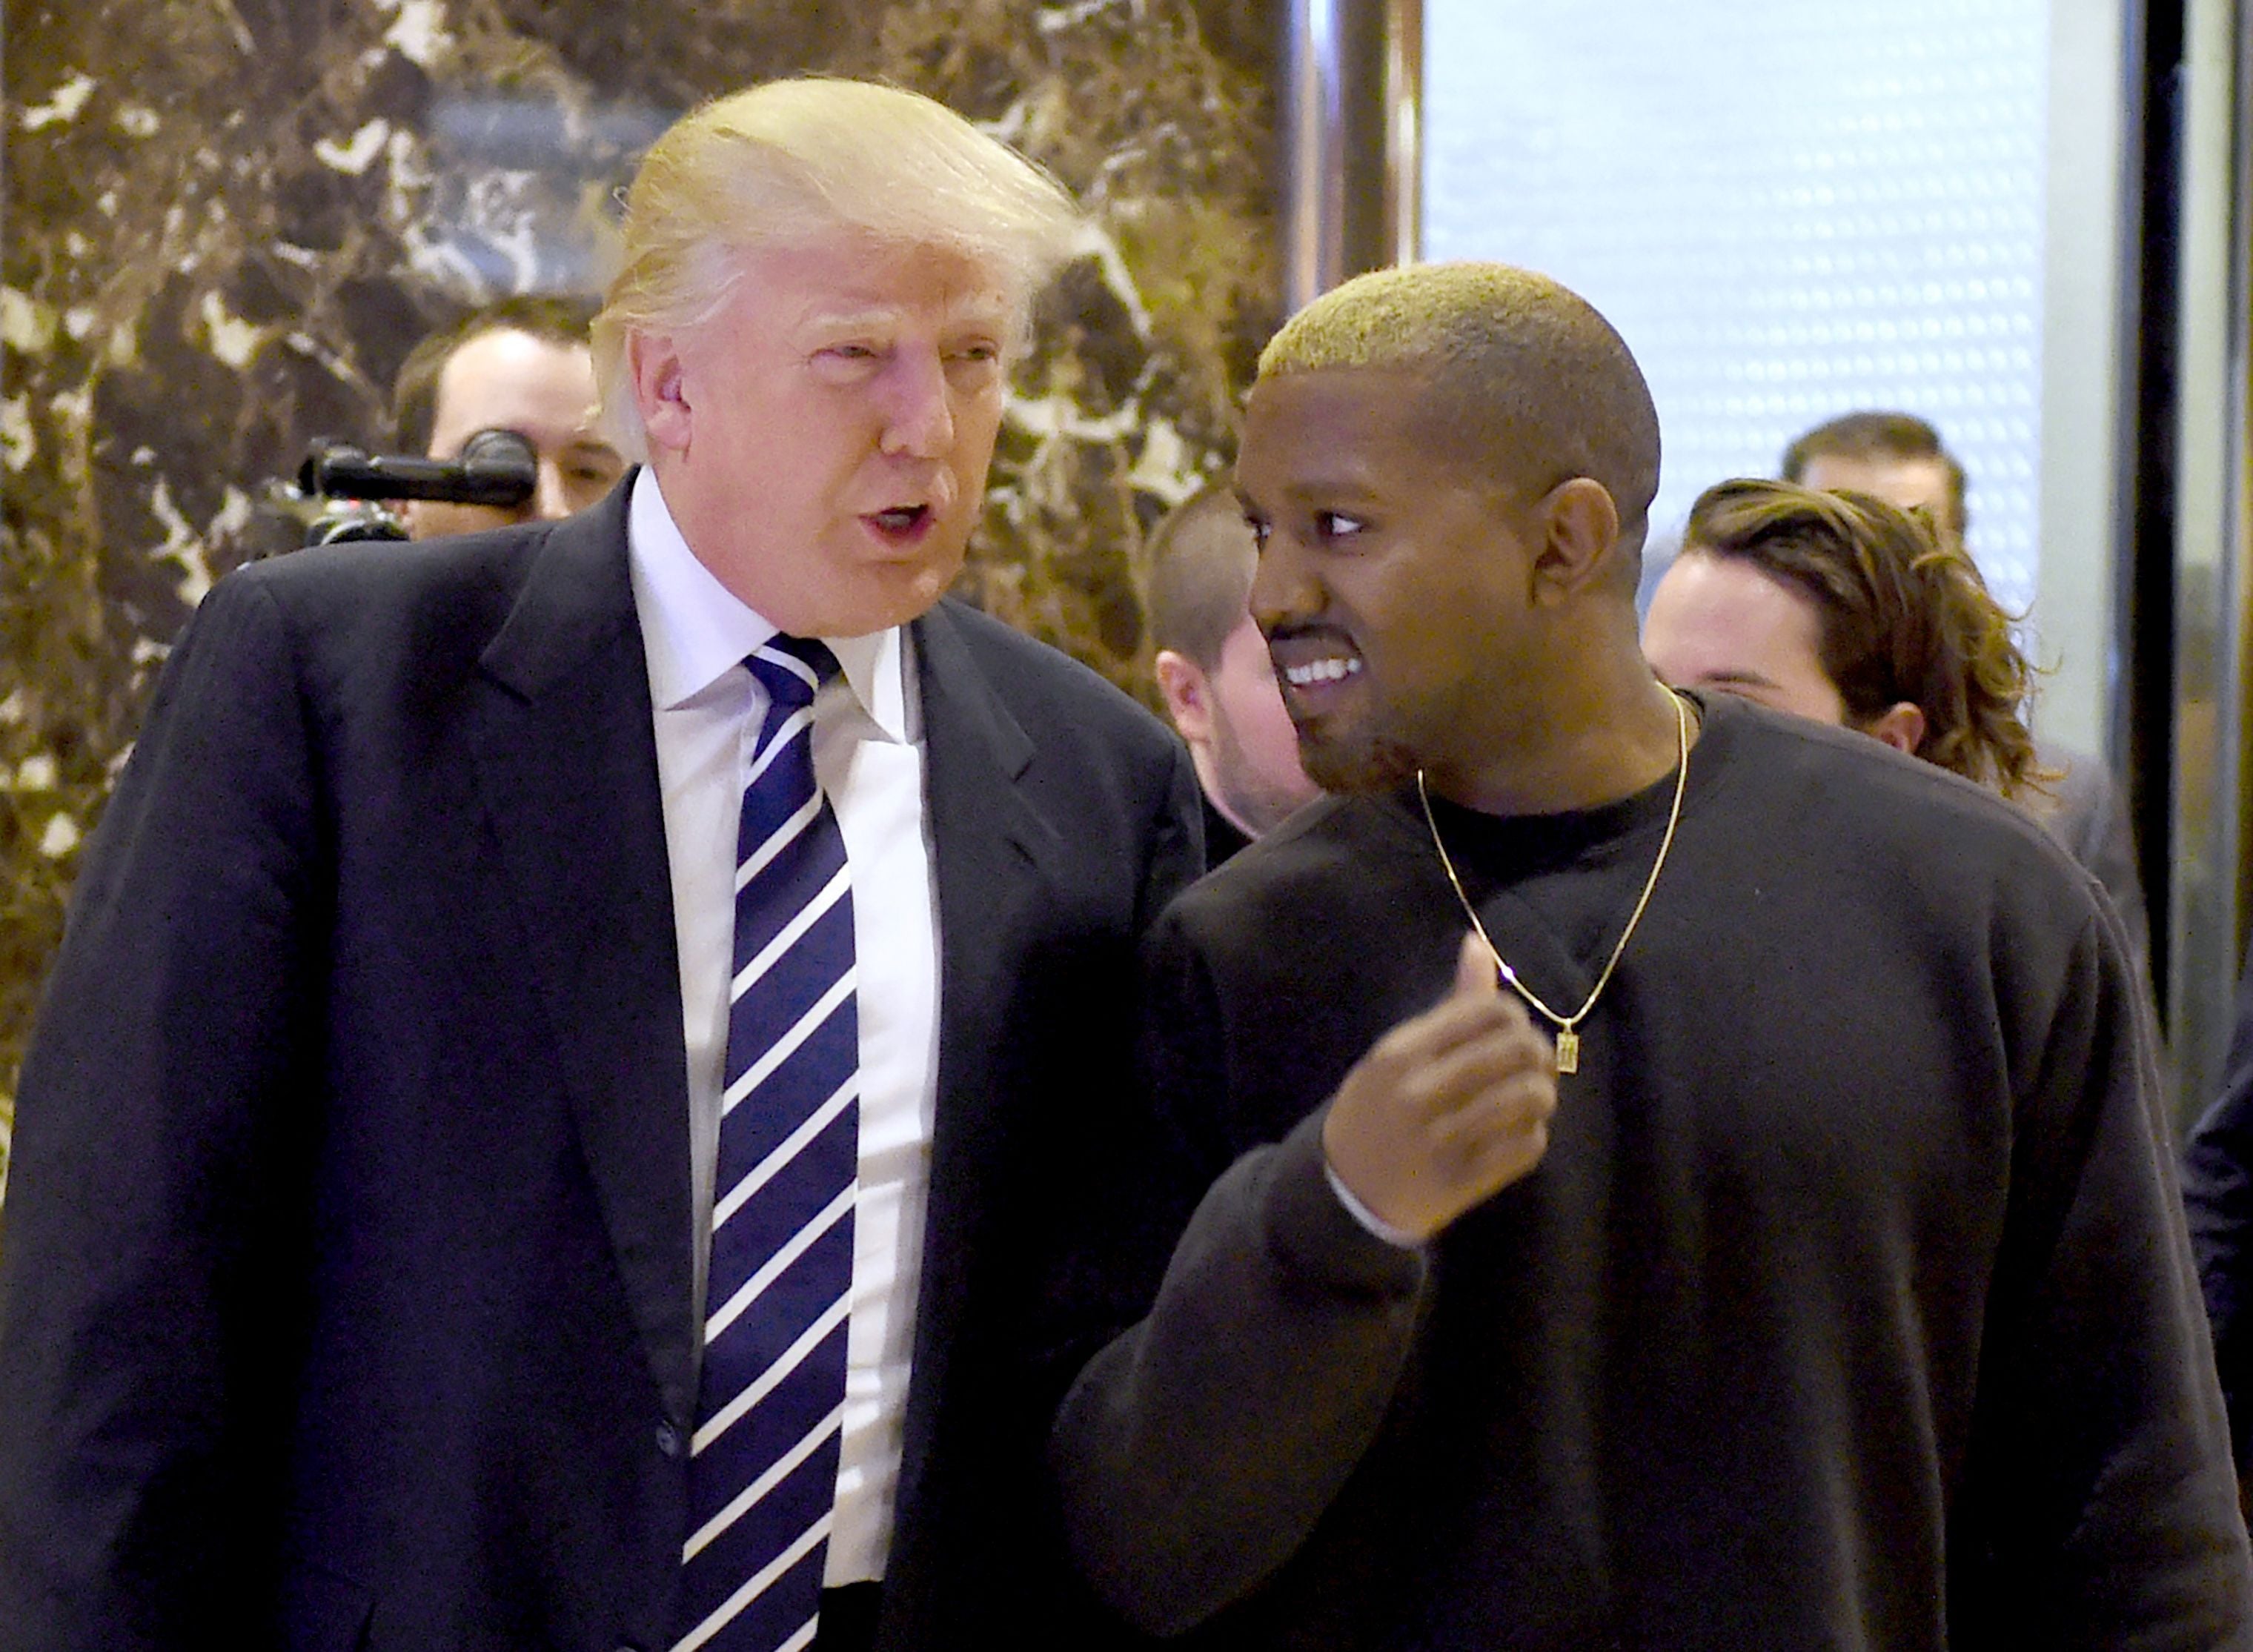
(1568, 1050)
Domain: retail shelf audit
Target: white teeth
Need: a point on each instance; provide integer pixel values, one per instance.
(1321, 670)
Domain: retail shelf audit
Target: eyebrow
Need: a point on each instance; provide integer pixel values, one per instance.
(868, 316)
(969, 311)
(1750, 679)
(1329, 490)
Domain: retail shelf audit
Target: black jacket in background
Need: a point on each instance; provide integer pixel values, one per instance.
(2218, 1194)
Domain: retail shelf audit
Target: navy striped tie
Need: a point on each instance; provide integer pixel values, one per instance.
(763, 1474)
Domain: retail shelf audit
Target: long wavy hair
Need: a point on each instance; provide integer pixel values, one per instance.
(1903, 615)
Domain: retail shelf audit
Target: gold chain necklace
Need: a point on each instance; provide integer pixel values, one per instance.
(1568, 1037)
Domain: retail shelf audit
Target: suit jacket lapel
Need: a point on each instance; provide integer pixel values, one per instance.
(568, 761)
(987, 846)
(988, 843)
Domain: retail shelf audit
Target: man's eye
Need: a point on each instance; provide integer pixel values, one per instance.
(1259, 531)
(1335, 525)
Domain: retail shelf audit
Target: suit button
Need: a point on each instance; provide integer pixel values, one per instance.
(668, 1439)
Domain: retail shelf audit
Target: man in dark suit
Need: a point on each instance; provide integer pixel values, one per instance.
(376, 1272)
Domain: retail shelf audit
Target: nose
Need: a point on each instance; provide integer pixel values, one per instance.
(551, 499)
(1283, 592)
(919, 414)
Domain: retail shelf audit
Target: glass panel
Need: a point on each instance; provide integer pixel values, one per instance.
(1789, 210)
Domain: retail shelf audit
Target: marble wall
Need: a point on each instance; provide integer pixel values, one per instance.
(227, 220)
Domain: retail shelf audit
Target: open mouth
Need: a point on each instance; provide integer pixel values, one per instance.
(900, 522)
(1334, 668)
(1313, 665)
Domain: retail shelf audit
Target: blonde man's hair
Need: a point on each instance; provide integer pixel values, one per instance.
(1533, 382)
(1196, 584)
(788, 161)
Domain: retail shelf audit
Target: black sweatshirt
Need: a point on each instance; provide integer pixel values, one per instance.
(1851, 1306)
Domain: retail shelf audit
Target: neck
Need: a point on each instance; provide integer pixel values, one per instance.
(1208, 774)
(1606, 738)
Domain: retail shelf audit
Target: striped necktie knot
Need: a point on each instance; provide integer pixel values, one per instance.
(791, 668)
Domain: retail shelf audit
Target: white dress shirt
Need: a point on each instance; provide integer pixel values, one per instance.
(868, 758)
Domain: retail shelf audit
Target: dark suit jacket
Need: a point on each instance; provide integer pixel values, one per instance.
(346, 1293)
(2085, 812)
(2217, 1188)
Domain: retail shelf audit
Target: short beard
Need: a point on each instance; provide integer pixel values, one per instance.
(1357, 767)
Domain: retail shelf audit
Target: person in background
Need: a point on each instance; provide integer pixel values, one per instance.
(1894, 457)
(1628, 1169)
(519, 364)
(1900, 458)
(1213, 669)
(574, 1043)
(2217, 1190)
(1840, 607)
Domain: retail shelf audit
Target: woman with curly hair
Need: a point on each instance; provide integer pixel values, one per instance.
(1845, 609)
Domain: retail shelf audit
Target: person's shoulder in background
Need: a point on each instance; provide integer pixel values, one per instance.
(2083, 811)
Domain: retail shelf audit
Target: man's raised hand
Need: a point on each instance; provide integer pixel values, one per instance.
(1448, 1108)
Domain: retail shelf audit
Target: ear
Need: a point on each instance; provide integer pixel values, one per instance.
(653, 364)
(1901, 726)
(1188, 695)
(1580, 529)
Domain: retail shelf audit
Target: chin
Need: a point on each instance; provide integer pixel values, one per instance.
(875, 604)
(1356, 767)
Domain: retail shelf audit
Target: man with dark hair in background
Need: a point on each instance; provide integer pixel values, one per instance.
(519, 364)
(1894, 457)
(1822, 1284)
(1900, 458)
(1213, 669)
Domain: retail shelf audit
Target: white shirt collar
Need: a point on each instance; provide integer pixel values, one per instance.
(695, 629)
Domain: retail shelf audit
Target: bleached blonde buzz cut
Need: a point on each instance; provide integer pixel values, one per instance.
(784, 164)
(1534, 384)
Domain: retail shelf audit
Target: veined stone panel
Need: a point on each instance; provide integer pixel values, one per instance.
(227, 221)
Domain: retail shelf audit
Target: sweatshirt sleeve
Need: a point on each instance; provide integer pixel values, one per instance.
(1196, 1451)
(2099, 1507)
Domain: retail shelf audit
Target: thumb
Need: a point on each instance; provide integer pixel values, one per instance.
(1475, 975)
